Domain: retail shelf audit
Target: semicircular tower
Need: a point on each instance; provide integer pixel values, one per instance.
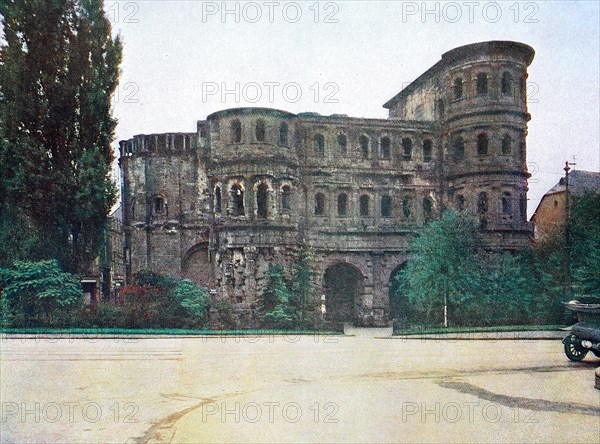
(255, 195)
(484, 128)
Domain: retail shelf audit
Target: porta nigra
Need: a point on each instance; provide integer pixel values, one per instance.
(250, 185)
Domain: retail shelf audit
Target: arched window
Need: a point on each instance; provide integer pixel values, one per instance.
(286, 197)
(364, 146)
(132, 208)
(159, 206)
(260, 130)
(319, 144)
(406, 207)
(458, 148)
(427, 210)
(482, 203)
(364, 205)
(236, 131)
(237, 200)
(523, 207)
(507, 205)
(458, 88)
(482, 209)
(217, 199)
(427, 148)
(406, 149)
(482, 144)
(441, 108)
(319, 204)
(283, 134)
(384, 146)
(342, 142)
(262, 201)
(460, 202)
(342, 204)
(506, 144)
(482, 83)
(386, 206)
(506, 83)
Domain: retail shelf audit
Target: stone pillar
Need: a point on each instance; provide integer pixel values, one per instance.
(364, 303)
(380, 290)
(250, 275)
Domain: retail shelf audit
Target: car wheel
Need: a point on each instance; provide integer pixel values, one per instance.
(573, 349)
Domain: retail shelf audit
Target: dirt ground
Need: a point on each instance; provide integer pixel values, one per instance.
(294, 389)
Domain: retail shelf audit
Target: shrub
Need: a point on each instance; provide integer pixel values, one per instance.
(227, 318)
(143, 306)
(158, 301)
(194, 301)
(105, 315)
(39, 294)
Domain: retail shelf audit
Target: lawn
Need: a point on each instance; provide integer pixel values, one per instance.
(442, 330)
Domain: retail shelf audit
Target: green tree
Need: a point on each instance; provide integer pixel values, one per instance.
(570, 271)
(38, 294)
(505, 291)
(401, 309)
(587, 276)
(443, 265)
(584, 256)
(302, 292)
(274, 301)
(194, 300)
(59, 67)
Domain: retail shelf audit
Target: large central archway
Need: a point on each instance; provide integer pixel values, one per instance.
(343, 285)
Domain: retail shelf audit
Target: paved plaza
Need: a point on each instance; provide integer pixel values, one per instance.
(360, 388)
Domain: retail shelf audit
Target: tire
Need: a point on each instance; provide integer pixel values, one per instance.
(573, 349)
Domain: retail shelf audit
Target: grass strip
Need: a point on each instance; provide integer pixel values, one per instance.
(501, 328)
(160, 331)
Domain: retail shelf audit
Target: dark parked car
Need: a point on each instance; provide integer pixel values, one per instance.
(585, 334)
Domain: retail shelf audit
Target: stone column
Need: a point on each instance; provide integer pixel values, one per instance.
(380, 293)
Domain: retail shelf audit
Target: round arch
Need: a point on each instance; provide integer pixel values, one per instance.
(343, 284)
(196, 265)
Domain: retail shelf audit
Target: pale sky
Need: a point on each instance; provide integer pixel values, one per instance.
(350, 57)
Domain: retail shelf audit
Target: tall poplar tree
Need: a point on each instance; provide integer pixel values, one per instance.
(59, 67)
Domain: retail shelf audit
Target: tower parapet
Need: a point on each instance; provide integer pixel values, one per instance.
(158, 144)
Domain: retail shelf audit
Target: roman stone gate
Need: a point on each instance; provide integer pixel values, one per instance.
(220, 204)
(343, 288)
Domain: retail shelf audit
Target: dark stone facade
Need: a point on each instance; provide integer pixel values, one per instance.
(221, 204)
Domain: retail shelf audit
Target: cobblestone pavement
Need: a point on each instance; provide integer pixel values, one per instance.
(294, 389)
